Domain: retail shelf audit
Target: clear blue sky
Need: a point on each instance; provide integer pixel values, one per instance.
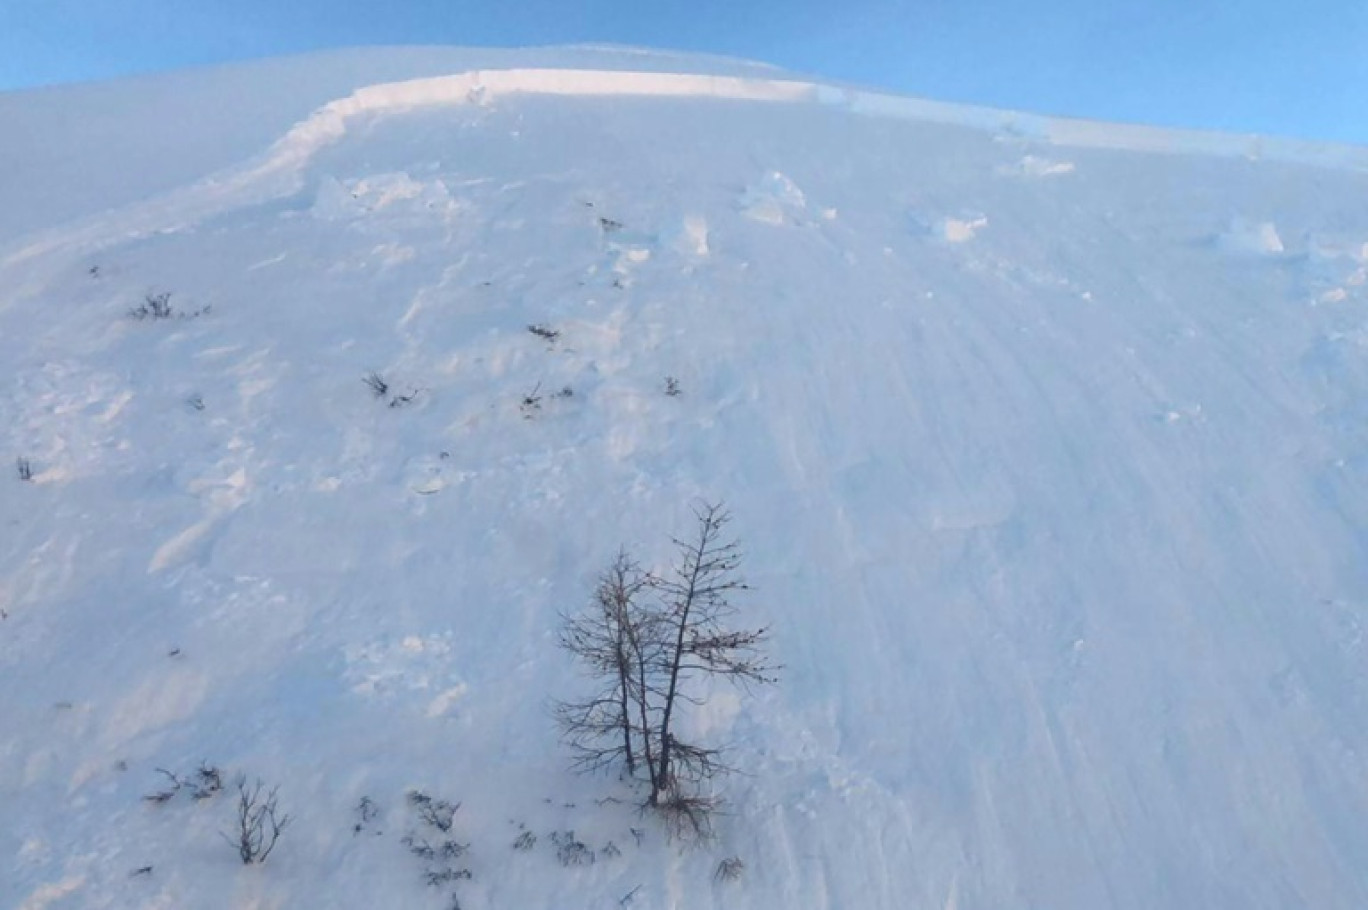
(1273, 66)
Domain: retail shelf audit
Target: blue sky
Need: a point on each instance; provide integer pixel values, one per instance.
(1296, 69)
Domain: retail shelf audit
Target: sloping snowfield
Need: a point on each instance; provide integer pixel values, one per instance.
(1047, 441)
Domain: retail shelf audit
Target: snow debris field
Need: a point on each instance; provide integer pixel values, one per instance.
(328, 384)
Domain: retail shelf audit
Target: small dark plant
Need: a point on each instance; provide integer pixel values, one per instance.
(571, 851)
(672, 386)
(174, 785)
(259, 822)
(160, 795)
(609, 225)
(154, 306)
(422, 849)
(419, 847)
(544, 332)
(206, 782)
(610, 850)
(376, 383)
(438, 813)
(437, 878)
(158, 306)
(729, 870)
(525, 841)
(399, 401)
(531, 402)
(366, 812)
(688, 817)
(25, 469)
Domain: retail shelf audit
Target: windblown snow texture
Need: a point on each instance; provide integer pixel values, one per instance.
(1047, 440)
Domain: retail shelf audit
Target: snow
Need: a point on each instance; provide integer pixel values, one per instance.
(1253, 239)
(1046, 441)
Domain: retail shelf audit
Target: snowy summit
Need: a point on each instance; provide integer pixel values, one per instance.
(334, 385)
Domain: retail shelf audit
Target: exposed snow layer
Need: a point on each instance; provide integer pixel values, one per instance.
(155, 133)
(1050, 454)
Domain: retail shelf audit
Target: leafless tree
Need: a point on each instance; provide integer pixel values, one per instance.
(648, 639)
(616, 640)
(695, 608)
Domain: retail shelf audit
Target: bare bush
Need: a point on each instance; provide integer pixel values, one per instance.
(399, 401)
(259, 822)
(423, 849)
(525, 841)
(157, 307)
(531, 402)
(366, 812)
(729, 870)
(672, 386)
(206, 783)
(438, 813)
(688, 817)
(570, 850)
(544, 332)
(376, 383)
(154, 306)
(438, 877)
(25, 468)
(166, 793)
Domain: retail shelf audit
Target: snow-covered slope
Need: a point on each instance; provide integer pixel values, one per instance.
(1048, 442)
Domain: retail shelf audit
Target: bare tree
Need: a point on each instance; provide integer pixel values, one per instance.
(615, 639)
(258, 825)
(647, 638)
(696, 605)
